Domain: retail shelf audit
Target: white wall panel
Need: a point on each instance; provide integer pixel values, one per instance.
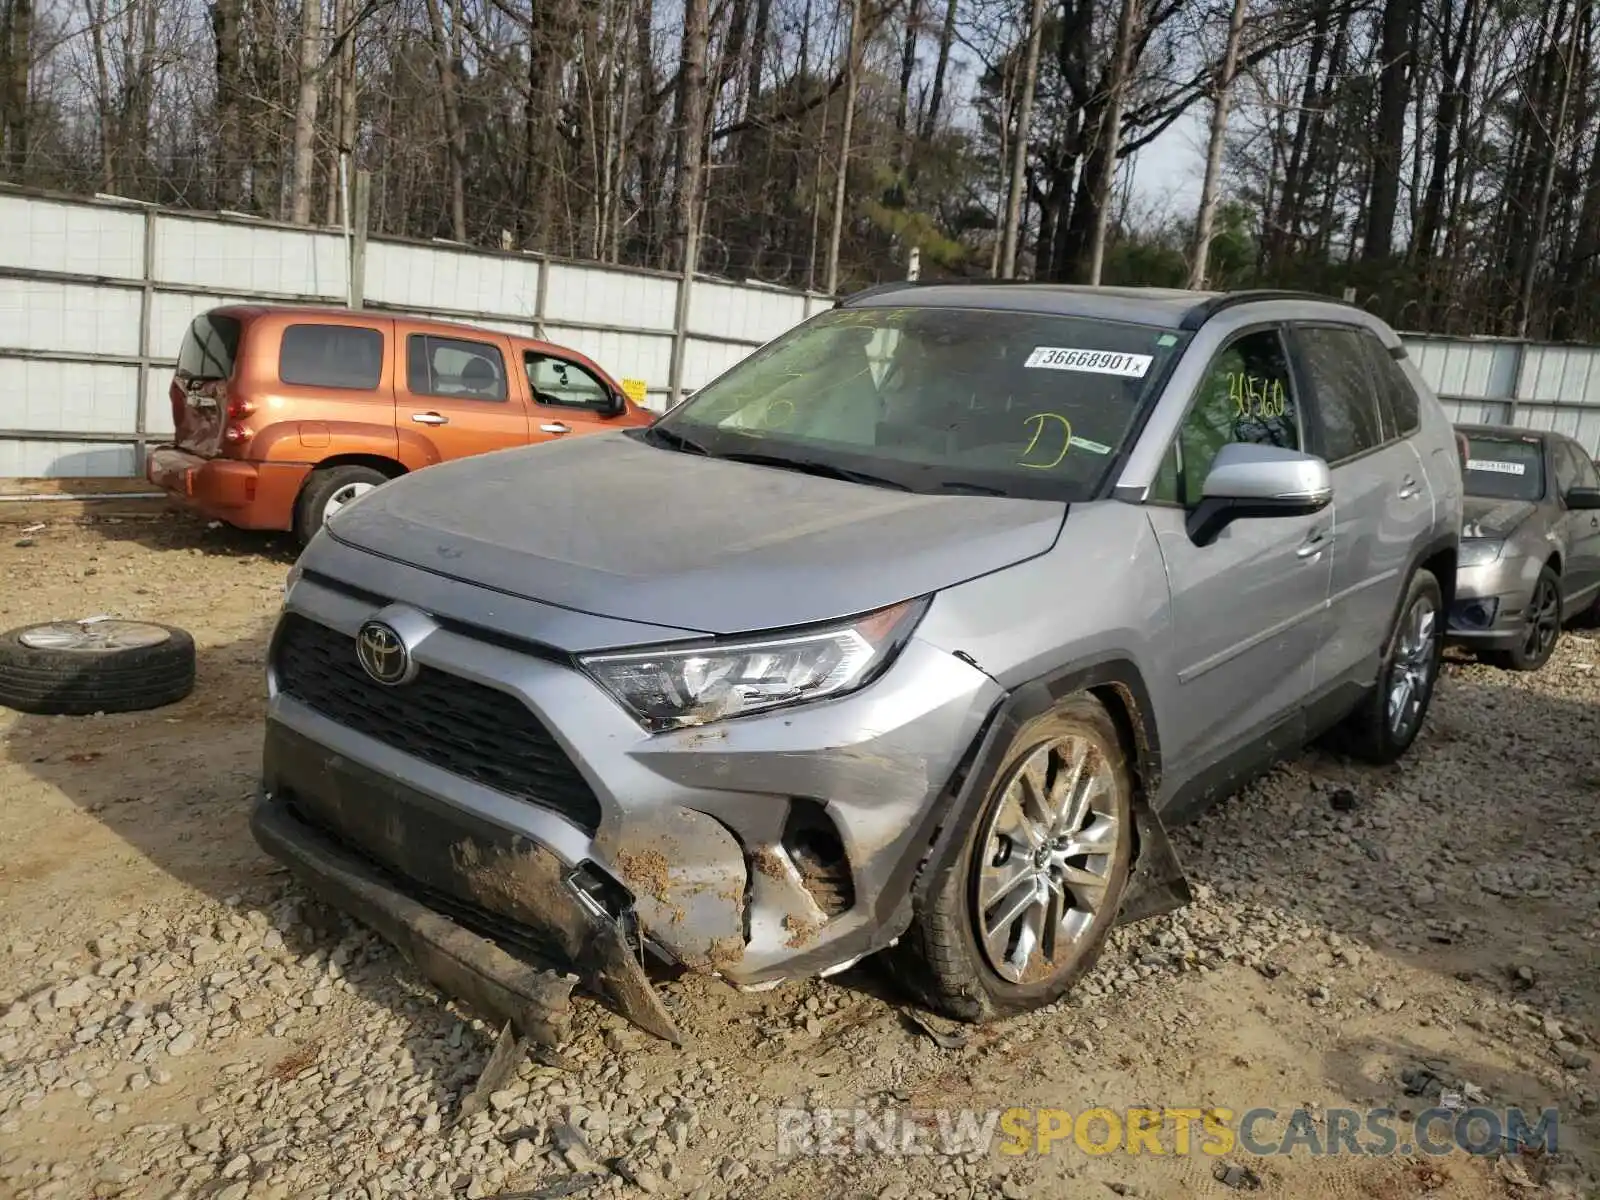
(74, 318)
(624, 355)
(424, 277)
(158, 404)
(240, 256)
(1481, 370)
(67, 397)
(751, 314)
(74, 239)
(704, 361)
(593, 297)
(56, 460)
(170, 315)
(1563, 374)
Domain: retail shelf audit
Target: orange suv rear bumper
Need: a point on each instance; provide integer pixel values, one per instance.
(249, 495)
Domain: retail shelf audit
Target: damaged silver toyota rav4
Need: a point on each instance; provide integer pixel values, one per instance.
(912, 630)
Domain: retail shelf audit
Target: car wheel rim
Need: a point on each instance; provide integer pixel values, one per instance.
(1047, 853)
(1544, 620)
(93, 637)
(343, 496)
(1411, 673)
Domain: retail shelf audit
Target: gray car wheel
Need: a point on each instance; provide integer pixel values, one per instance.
(1541, 628)
(1021, 907)
(1382, 727)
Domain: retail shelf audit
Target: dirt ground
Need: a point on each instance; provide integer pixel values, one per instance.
(179, 1020)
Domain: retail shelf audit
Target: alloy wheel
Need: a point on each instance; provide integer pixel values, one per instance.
(1412, 668)
(1544, 621)
(1046, 856)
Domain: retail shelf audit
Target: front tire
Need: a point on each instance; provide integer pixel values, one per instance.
(1541, 630)
(1384, 725)
(1020, 908)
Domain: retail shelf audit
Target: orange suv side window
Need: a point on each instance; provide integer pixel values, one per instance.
(557, 381)
(454, 367)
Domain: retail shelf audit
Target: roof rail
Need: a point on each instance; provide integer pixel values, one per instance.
(1206, 309)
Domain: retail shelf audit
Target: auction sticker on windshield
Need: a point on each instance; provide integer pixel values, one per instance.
(1097, 362)
(1502, 468)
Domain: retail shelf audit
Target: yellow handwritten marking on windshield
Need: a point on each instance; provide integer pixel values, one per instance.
(1037, 421)
(1254, 396)
(772, 419)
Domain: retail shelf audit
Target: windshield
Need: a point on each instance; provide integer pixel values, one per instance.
(936, 399)
(1504, 468)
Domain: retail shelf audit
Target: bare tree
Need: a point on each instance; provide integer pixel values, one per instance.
(1209, 188)
(1019, 151)
(1111, 135)
(297, 205)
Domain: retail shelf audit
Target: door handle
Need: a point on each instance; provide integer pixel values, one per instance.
(1408, 488)
(555, 427)
(1316, 542)
(430, 418)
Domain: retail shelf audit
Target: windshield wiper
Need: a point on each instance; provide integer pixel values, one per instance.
(675, 439)
(812, 466)
(976, 489)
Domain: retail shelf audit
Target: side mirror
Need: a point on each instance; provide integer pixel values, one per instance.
(1247, 480)
(1583, 497)
(619, 405)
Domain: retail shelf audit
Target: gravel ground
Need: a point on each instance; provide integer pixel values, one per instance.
(177, 1019)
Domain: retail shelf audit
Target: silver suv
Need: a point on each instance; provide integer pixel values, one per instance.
(911, 630)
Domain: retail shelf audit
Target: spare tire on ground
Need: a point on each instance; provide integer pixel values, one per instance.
(74, 668)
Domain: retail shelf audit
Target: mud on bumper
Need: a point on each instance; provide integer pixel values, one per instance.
(519, 971)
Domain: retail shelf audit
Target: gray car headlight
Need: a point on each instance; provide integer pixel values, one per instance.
(669, 688)
(1479, 552)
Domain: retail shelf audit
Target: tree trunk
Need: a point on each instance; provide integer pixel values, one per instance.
(691, 131)
(19, 57)
(1204, 222)
(297, 207)
(1020, 140)
(105, 111)
(226, 19)
(1452, 45)
(847, 123)
(447, 65)
(908, 68)
(947, 37)
(1111, 137)
(1556, 127)
(1280, 237)
(1395, 54)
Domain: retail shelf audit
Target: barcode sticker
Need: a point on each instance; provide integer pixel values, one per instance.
(1095, 362)
(1499, 468)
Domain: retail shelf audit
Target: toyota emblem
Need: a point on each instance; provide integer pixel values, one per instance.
(384, 655)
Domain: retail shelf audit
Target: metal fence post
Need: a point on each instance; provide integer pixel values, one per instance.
(680, 340)
(147, 299)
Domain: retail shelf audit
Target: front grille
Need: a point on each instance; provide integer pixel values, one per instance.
(470, 730)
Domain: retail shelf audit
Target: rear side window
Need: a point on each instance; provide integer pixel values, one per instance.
(444, 366)
(209, 348)
(1346, 400)
(332, 356)
(1402, 411)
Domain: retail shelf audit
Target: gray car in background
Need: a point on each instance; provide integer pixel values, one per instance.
(1530, 543)
(914, 629)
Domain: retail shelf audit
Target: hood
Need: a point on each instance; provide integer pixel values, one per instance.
(608, 525)
(1487, 517)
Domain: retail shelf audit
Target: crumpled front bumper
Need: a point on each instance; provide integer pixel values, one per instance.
(520, 970)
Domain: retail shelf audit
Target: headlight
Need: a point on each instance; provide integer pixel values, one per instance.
(671, 688)
(1479, 552)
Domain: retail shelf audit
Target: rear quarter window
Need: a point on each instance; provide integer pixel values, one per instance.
(209, 348)
(331, 356)
(1402, 411)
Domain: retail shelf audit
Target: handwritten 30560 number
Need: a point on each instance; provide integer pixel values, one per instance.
(1254, 396)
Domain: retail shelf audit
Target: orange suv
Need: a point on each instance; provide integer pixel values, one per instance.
(284, 414)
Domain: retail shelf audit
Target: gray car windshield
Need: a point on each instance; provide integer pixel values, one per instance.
(1502, 468)
(936, 399)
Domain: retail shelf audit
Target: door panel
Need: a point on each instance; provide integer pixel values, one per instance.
(1382, 503)
(1581, 527)
(1248, 608)
(454, 396)
(1247, 615)
(568, 399)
